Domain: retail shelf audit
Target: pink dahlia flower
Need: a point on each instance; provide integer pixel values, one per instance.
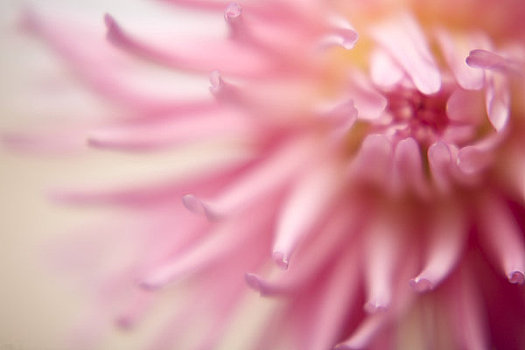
(380, 193)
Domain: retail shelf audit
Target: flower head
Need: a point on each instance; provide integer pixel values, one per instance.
(381, 187)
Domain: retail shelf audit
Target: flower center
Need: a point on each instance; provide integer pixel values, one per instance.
(416, 115)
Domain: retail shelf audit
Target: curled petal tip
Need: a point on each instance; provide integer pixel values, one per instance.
(281, 260)
(421, 285)
(516, 277)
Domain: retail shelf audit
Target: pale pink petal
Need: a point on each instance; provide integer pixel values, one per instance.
(408, 169)
(384, 71)
(403, 39)
(455, 51)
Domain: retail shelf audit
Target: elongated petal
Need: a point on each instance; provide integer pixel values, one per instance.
(447, 233)
(403, 40)
(310, 199)
(191, 56)
(503, 239)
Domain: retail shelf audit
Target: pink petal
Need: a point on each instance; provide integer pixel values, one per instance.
(489, 60)
(382, 252)
(384, 71)
(444, 246)
(268, 176)
(440, 161)
(503, 239)
(369, 102)
(309, 201)
(465, 107)
(403, 39)
(373, 163)
(227, 57)
(455, 52)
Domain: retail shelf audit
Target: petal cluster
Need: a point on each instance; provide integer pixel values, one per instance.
(382, 186)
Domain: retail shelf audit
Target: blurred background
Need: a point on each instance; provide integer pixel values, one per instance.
(38, 306)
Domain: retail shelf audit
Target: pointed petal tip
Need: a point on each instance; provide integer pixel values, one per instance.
(517, 277)
(421, 285)
(280, 259)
